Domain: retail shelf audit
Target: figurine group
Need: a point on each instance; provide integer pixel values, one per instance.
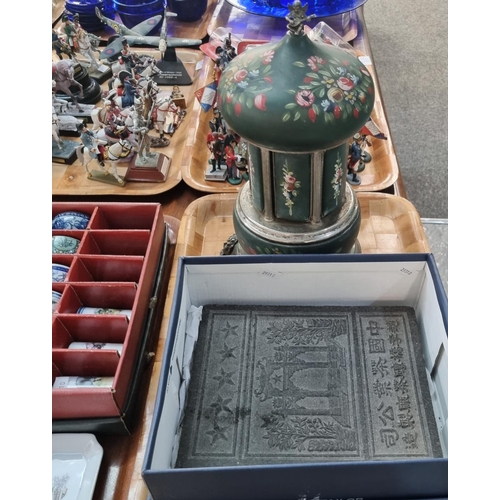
(227, 148)
(72, 40)
(133, 104)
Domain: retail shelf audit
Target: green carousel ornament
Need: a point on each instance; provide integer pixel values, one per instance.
(296, 103)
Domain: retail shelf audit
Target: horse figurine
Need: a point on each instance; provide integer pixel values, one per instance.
(112, 153)
(63, 76)
(166, 119)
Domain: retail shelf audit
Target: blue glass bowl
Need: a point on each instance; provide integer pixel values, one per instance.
(85, 3)
(188, 10)
(138, 3)
(144, 9)
(86, 10)
(279, 8)
(131, 20)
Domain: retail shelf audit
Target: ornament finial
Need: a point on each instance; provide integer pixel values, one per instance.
(297, 17)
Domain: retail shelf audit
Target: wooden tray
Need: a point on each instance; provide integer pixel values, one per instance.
(379, 174)
(389, 224)
(72, 179)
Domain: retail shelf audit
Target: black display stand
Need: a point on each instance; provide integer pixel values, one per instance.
(172, 69)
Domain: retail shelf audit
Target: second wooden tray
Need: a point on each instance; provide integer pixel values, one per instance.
(379, 174)
(389, 224)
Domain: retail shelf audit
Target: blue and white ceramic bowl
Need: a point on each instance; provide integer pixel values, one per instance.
(59, 273)
(56, 297)
(104, 310)
(70, 220)
(64, 244)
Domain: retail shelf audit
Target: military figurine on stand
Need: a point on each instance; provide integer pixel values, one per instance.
(90, 141)
(68, 28)
(362, 141)
(355, 161)
(230, 143)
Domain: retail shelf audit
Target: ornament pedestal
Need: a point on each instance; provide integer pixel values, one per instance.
(335, 233)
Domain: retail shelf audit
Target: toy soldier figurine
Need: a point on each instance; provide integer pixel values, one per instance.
(90, 141)
(365, 156)
(129, 58)
(60, 46)
(229, 50)
(216, 148)
(217, 123)
(141, 128)
(355, 160)
(70, 32)
(231, 159)
(76, 22)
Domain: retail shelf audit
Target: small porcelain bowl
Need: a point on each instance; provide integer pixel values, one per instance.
(70, 220)
(59, 272)
(56, 297)
(104, 310)
(64, 244)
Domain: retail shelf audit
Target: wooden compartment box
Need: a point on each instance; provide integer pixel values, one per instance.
(118, 265)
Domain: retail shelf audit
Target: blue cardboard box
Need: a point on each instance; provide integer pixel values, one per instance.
(306, 280)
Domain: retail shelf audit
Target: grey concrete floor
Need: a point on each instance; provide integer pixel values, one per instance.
(436, 231)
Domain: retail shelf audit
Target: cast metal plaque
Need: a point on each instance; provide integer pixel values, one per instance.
(274, 385)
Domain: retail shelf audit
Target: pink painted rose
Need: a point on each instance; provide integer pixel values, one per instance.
(260, 102)
(268, 57)
(304, 98)
(268, 79)
(313, 62)
(290, 182)
(345, 83)
(240, 75)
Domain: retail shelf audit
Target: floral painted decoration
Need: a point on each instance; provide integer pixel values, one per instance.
(335, 89)
(290, 186)
(337, 178)
(248, 85)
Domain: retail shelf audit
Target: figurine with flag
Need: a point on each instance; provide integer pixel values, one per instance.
(207, 96)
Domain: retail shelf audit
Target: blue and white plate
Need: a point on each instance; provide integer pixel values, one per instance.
(59, 272)
(64, 244)
(70, 220)
(56, 297)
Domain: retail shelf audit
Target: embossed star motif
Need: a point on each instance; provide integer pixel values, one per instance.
(224, 378)
(227, 352)
(221, 404)
(229, 330)
(217, 433)
(277, 379)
